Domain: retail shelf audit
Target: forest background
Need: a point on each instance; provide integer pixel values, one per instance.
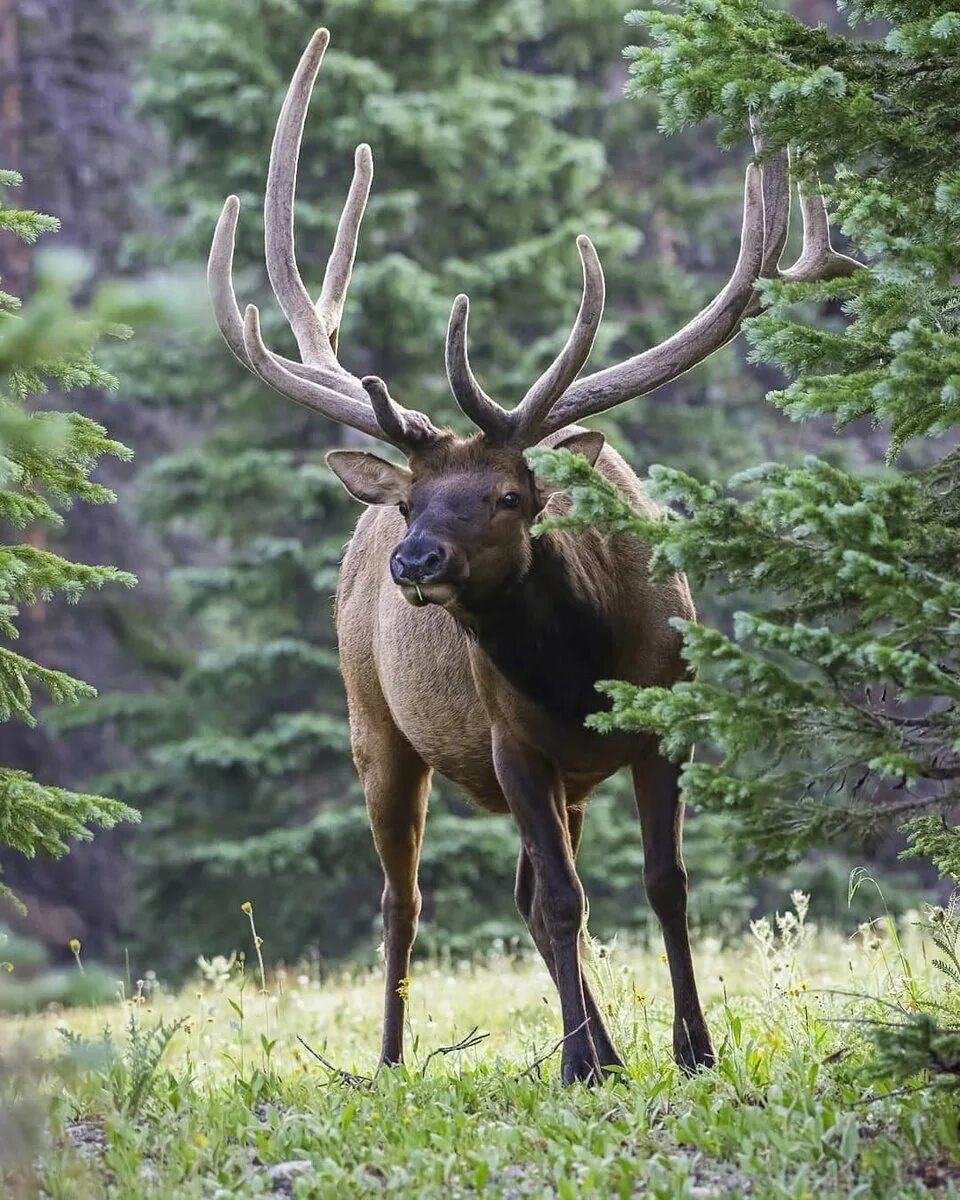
(500, 130)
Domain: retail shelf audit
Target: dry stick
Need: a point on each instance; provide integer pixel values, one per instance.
(908, 1090)
(552, 1051)
(472, 1039)
(933, 1005)
(347, 1077)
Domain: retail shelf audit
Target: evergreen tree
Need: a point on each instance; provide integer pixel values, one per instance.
(495, 143)
(46, 462)
(832, 707)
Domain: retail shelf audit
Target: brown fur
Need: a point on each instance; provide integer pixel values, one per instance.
(424, 696)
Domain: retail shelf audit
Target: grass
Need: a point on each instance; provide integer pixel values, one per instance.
(208, 1092)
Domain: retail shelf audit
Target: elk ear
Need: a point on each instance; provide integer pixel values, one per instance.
(587, 442)
(368, 477)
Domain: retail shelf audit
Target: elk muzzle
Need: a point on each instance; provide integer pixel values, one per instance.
(426, 570)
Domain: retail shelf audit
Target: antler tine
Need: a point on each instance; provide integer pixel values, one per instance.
(336, 279)
(775, 175)
(401, 425)
(707, 331)
(775, 186)
(530, 413)
(227, 311)
(278, 233)
(818, 259)
(223, 297)
(324, 400)
(472, 400)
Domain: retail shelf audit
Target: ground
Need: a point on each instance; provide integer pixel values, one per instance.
(238, 1106)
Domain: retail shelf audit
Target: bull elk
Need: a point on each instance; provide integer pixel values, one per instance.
(469, 647)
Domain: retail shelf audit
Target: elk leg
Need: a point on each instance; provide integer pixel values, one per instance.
(529, 906)
(601, 1038)
(534, 794)
(396, 784)
(657, 787)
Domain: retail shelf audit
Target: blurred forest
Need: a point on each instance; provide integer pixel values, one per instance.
(500, 130)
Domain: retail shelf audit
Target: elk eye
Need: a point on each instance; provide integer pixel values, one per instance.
(404, 509)
(510, 500)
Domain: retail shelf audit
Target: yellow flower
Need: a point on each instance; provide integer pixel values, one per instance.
(201, 1139)
(246, 907)
(663, 958)
(75, 945)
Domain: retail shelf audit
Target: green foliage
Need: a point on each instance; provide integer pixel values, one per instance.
(934, 838)
(917, 1045)
(130, 1071)
(832, 705)
(877, 112)
(787, 1112)
(60, 989)
(46, 460)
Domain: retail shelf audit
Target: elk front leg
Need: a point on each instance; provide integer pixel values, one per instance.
(530, 908)
(657, 787)
(534, 793)
(396, 784)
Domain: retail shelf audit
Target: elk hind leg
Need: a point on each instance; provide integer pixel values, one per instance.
(657, 788)
(396, 785)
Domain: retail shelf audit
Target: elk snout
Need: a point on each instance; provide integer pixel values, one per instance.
(419, 560)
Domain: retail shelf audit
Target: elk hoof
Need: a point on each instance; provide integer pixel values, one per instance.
(582, 1070)
(692, 1048)
(580, 1063)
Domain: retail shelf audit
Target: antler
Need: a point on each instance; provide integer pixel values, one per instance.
(721, 320)
(556, 400)
(520, 426)
(318, 382)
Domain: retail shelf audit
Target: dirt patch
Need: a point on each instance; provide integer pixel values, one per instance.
(934, 1174)
(711, 1177)
(87, 1138)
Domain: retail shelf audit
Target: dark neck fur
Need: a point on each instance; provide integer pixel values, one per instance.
(549, 642)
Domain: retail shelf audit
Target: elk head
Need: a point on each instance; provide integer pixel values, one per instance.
(469, 502)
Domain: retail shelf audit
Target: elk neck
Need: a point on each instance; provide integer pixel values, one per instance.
(548, 637)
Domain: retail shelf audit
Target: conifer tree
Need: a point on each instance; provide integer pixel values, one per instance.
(832, 708)
(46, 462)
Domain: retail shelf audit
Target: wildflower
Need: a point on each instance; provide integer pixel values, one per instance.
(202, 1140)
(246, 907)
(75, 945)
(663, 958)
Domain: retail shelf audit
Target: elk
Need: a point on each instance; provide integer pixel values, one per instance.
(469, 647)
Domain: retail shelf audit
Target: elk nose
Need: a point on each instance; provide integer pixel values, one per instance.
(418, 561)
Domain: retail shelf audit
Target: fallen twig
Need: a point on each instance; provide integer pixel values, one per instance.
(908, 1090)
(347, 1077)
(552, 1051)
(472, 1039)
